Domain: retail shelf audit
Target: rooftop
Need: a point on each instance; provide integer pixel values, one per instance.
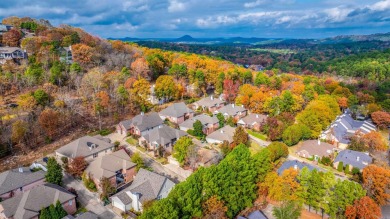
(143, 121)
(354, 158)
(253, 118)
(164, 135)
(316, 147)
(223, 134)
(176, 110)
(296, 165)
(85, 146)
(17, 178)
(230, 110)
(203, 118)
(209, 101)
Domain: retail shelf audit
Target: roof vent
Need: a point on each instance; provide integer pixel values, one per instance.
(357, 158)
(295, 167)
(232, 105)
(319, 142)
(221, 131)
(212, 97)
(20, 170)
(257, 116)
(142, 113)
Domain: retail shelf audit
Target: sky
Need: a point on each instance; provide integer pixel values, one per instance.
(210, 18)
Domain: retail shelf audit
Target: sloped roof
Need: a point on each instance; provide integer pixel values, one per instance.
(313, 148)
(292, 163)
(29, 203)
(164, 135)
(107, 165)
(147, 184)
(252, 118)
(230, 110)
(350, 157)
(9, 49)
(176, 110)
(223, 134)
(14, 179)
(84, 147)
(203, 118)
(143, 121)
(209, 101)
(257, 215)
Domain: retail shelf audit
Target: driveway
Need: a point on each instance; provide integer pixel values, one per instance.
(259, 141)
(88, 199)
(177, 174)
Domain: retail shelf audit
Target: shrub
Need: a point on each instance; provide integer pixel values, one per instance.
(346, 170)
(104, 132)
(326, 161)
(278, 150)
(340, 167)
(89, 183)
(355, 171)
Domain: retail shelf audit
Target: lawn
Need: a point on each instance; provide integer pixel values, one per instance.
(254, 147)
(257, 135)
(132, 141)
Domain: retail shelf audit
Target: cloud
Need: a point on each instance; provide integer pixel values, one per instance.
(254, 4)
(381, 6)
(176, 6)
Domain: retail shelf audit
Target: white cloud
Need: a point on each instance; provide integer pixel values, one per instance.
(381, 5)
(254, 4)
(337, 14)
(176, 6)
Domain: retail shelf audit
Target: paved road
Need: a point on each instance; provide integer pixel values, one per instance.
(89, 199)
(259, 141)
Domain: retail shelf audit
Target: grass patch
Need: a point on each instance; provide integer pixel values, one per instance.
(81, 210)
(257, 135)
(162, 160)
(254, 147)
(132, 141)
(141, 148)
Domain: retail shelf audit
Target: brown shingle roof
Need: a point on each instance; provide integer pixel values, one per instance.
(313, 148)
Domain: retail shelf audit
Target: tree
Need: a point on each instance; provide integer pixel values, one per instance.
(376, 180)
(44, 214)
(137, 159)
(26, 101)
(41, 97)
(12, 37)
(54, 172)
(363, 208)
(293, 134)
(19, 130)
(56, 73)
(375, 141)
(278, 150)
(221, 120)
(49, 120)
(240, 136)
(178, 70)
(381, 119)
(340, 166)
(140, 68)
(213, 208)
(77, 166)
(60, 210)
(165, 87)
(181, 149)
(82, 54)
(141, 92)
(230, 90)
(288, 210)
(107, 188)
(198, 128)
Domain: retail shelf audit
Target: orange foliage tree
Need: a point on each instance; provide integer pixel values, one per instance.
(77, 166)
(381, 119)
(49, 120)
(12, 37)
(375, 141)
(82, 54)
(214, 208)
(363, 208)
(376, 180)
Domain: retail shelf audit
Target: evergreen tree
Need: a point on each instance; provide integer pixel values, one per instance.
(53, 212)
(60, 210)
(44, 214)
(198, 128)
(288, 210)
(54, 172)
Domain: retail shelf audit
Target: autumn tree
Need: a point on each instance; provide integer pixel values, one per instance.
(240, 136)
(165, 87)
(107, 188)
(230, 89)
(82, 54)
(19, 130)
(140, 91)
(178, 70)
(77, 166)
(140, 68)
(12, 37)
(278, 150)
(49, 120)
(376, 180)
(363, 208)
(375, 141)
(213, 208)
(102, 103)
(381, 119)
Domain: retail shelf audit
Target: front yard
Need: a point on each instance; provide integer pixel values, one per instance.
(257, 134)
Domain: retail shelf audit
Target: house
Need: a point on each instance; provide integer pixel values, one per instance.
(28, 204)
(16, 181)
(140, 124)
(161, 139)
(4, 28)
(316, 149)
(176, 113)
(209, 103)
(254, 215)
(116, 167)
(88, 147)
(85, 215)
(297, 165)
(223, 134)
(146, 186)
(252, 121)
(231, 110)
(210, 124)
(66, 54)
(11, 53)
(344, 127)
(352, 159)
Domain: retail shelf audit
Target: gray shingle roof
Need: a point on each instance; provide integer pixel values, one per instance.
(14, 179)
(87, 215)
(292, 163)
(29, 203)
(223, 134)
(313, 148)
(147, 184)
(257, 215)
(209, 101)
(203, 118)
(354, 158)
(84, 146)
(230, 110)
(252, 119)
(107, 165)
(164, 135)
(143, 122)
(9, 49)
(176, 110)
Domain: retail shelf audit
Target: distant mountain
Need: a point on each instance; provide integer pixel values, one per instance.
(186, 38)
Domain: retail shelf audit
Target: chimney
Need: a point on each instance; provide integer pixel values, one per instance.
(221, 131)
(357, 158)
(319, 142)
(212, 97)
(295, 167)
(232, 105)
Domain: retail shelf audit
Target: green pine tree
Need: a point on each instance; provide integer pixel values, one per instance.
(54, 172)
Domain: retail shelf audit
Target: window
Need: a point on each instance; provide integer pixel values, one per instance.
(70, 202)
(95, 155)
